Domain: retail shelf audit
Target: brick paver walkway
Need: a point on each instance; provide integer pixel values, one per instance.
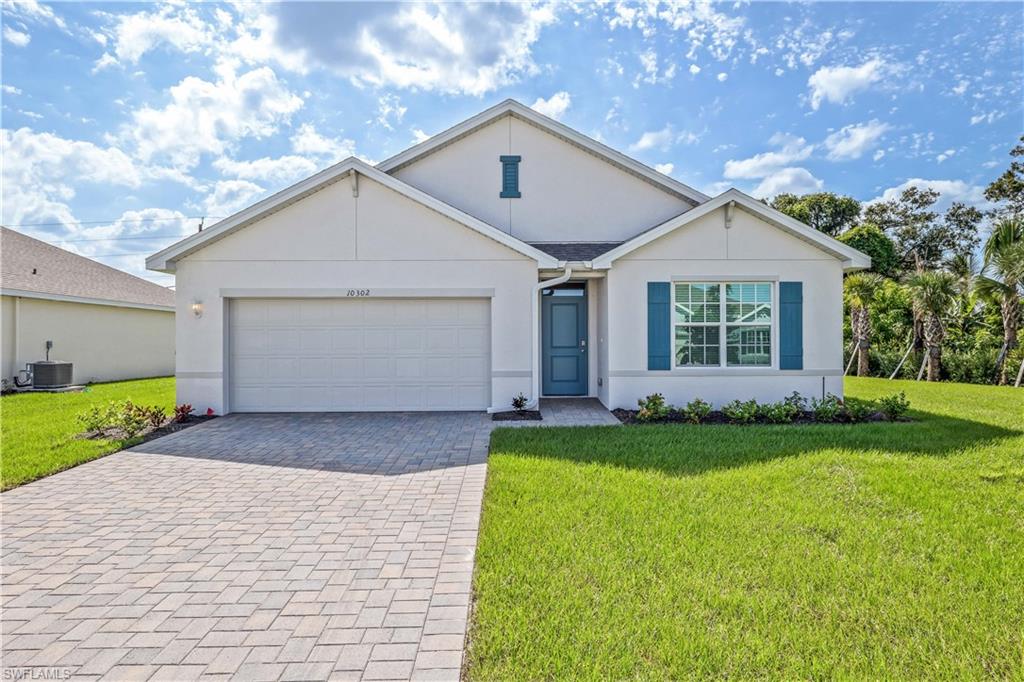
(252, 547)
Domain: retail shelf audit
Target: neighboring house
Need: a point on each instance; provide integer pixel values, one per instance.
(507, 254)
(110, 324)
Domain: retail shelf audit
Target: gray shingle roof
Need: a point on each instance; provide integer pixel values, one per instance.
(575, 251)
(27, 264)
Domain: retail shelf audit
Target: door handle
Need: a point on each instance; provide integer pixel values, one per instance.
(583, 345)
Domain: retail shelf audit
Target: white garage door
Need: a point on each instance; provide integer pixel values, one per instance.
(322, 355)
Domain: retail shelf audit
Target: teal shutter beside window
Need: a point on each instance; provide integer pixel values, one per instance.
(510, 177)
(659, 309)
(791, 325)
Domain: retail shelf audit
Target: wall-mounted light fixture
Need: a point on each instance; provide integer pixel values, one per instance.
(197, 308)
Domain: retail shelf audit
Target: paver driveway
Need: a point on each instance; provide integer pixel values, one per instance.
(256, 547)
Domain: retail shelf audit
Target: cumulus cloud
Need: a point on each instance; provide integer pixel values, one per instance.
(702, 25)
(229, 196)
(390, 111)
(665, 168)
(694, 69)
(205, 117)
(177, 27)
(949, 191)
(794, 180)
(836, 84)
(791, 149)
(662, 139)
(454, 48)
(16, 37)
(722, 77)
(419, 136)
(853, 141)
(554, 106)
(312, 152)
(10, 90)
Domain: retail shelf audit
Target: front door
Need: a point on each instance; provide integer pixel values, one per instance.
(564, 340)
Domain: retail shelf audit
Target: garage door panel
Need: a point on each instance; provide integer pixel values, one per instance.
(355, 355)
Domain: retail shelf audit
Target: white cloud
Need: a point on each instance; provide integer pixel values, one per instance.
(177, 27)
(794, 180)
(990, 117)
(949, 190)
(877, 156)
(700, 24)
(309, 142)
(35, 12)
(663, 139)
(554, 106)
(853, 141)
(960, 88)
(760, 165)
(206, 117)
(694, 69)
(15, 37)
(229, 196)
(651, 74)
(722, 77)
(390, 111)
(837, 83)
(665, 168)
(10, 90)
(419, 136)
(312, 152)
(945, 155)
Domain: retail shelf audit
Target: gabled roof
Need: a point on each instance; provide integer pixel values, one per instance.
(34, 269)
(510, 107)
(164, 260)
(570, 252)
(852, 258)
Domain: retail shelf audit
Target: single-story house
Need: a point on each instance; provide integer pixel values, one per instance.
(109, 324)
(509, 254)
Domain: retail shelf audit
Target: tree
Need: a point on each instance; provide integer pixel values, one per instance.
(1009, 186)
(869, 239)
(923, 238)
(1002, 280)
(859, 290)
(932, 292)
(824, 211)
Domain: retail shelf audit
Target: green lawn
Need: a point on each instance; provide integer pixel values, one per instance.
(37, 430)
(827, 551)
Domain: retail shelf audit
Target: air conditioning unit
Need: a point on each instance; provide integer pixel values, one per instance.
(51, 374)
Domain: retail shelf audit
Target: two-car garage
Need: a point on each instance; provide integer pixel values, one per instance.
(358, 354)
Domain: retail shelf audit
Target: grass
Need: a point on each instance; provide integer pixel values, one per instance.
(823, 551)
(37, 430)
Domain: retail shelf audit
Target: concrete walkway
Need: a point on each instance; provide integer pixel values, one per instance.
(254, 547)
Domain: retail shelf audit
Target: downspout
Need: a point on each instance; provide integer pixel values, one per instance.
(561, 279)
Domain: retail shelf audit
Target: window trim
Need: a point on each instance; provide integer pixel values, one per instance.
(723, 366)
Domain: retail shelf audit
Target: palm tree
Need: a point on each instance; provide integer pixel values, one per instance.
(932, 292)
(860, 290)
(1002, 280)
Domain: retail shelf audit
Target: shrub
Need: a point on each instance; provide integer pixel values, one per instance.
(797, 401)
(859, 410)
(182, 412)
(827, 409)
(696, 411)
(782, 412)
(741, 412)
(129, 418)
(96, 418)
(652, 408)
(895, 406)
(519, 403)
(155, 415)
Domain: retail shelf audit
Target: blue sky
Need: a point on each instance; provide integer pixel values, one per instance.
(123, 123)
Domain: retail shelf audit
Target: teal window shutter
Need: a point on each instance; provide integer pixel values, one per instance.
(791, 325)
(510, 177)
(659, 309)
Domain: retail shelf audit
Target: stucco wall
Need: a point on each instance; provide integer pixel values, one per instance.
(705, 249)
(105, 343)
(567, 194)
(7, 359)
(334, 241)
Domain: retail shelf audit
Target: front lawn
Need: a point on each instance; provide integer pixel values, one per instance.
(883, 550)
(38, 430)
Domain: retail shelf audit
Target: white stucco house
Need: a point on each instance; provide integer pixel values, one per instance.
(509, 254)
(111, 325)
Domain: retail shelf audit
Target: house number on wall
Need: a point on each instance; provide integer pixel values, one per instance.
(358, 292)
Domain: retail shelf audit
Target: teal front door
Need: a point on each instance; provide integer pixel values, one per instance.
(564, 340)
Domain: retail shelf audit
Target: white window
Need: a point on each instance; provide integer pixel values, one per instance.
(722, 324)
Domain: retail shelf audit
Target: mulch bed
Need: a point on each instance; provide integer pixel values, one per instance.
(716, 417)
(149, 433)
(524, 416)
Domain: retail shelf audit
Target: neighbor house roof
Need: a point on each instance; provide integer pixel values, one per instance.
(852, 258)
(164, 260)
(34, 269)
(510, 107)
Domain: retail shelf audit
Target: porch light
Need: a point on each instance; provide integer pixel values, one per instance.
(197, 308)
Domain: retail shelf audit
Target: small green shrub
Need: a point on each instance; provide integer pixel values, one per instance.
(96, 418)
(782, 412)
(653, 408)
(827, 409)
(797, 401)
(741, 412)
(859, 410)
(895, 406)
(696, 411)
(519, 403)
(130, 418)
